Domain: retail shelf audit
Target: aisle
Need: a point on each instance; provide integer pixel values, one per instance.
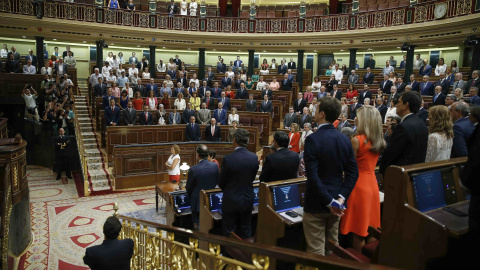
(64, 224)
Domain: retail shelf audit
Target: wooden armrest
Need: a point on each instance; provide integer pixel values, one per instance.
(377, 233)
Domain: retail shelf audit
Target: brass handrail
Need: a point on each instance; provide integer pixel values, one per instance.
(81, 152)
(160, 250)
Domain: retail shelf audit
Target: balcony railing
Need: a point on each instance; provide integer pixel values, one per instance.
(419, 13)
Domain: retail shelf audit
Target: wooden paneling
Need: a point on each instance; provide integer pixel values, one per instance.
(144, 165)
(130, 135)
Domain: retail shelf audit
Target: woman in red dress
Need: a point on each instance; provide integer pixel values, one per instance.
(294, 135)
(351, 92)
(363, 205)
(137, 102)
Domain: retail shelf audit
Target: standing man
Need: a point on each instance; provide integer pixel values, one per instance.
(220, 114)
(282, 163)
(438, 97)
(292, 64)
(212, 132)
(112, 114)
(99, 89)
(290, 118)
(204, 176)
(370, 63)
(187, 113)
(61, 145)
(474, 82)
(459, 83)
(381, 108)
(462, 128)
(192, 130)
(286, 84)
(251, 104)
(133, 60)
(204, 114)
(332, 172)
(408, 142)
(305, 118)
(237, 62)
(299, 104)
(238, 172)
(387, 69)
(129, 114)
(365, 94)
(242, 92)
(414, 84)
(418, 62)
(368, 77)
(266, 106)
(145, 118)
(210, 77)
(172, 8)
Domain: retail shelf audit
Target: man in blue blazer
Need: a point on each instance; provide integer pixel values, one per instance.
(226, 81)
(145, 118)
(238, 172)
(438, 98)
(152, 86)
(415, 85)
(225, 101)
(112, 114)
(187, 113)
(386, 85)
(354, 107)
(107, 98)
(210, 76)
(365, 94)
(475, 99)
(242, 92)
(332, 172)
(178, 62)
(203, 89)
(220, 114)
(282, 164)
(286, 84)
(174, 117)
(462, 128)
(237, 62)
(282, 68)
(426, 88)
(192, 130)
(444, 83)
(216, 91)
(112, 253)
(172, 73)
(204, 176)
(426, 69)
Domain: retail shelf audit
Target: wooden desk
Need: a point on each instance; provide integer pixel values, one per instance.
(162, 189)
(142, 165)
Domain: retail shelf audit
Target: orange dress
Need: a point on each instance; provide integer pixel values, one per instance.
(363, 205)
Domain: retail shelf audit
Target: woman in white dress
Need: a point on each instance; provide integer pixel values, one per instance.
(128, 89)
(180, 102)
(120, 69)
(171, 64)
(194, 80)
(169, 81)
(4, 51)
(145, 73)
(313, 107)
(316, 85)
(47, 69)
(392, 111)
(440, 140)
(173, 164)
(109, 58)
(193, 8)
(183, 8)
(121, 59)
(161, 115)
(264, 70)
(233, 116)
(441, 67)
(161, 67)
(231, 74)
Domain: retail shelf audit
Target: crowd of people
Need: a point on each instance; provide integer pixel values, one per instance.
(184, 7)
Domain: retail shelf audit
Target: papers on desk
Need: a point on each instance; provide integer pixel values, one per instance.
(292, 219)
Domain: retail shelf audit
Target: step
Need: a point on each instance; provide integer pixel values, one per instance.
(90, 145)
(89, 140)
(86, 135)
(95, 166)
(99, 174)
(84, 119)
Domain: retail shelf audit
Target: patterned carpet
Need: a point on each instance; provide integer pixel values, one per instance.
(64, 225)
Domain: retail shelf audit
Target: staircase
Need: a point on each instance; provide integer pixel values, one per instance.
(96, 175)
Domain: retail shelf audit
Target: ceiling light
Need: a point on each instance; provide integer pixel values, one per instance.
(138, 46)
(315, 50)
(54, 39)
(84, 41)
(163, 47)
(24, 36)
(430, 45)
(239, 50)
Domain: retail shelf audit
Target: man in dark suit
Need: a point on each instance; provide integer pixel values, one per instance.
(238, 172)
(192, 131)
(12, 65)
(172, 73)
(474, 82)
(141, 88)
(209, 101)
(226, 81)
(332, 172)
(133, 59)
(210, 77)
(16, 55)
(266, 106)
(32, 58)
(291, 64)
(238, 82)
(386, 84)
(107, 98)
(381, 108)
(286, 84)
(267, 91)
(216, 91)
(343, 122)
(394, 95)
(426, 87)
(225, 102)
(444, 83)
(221, 67)
(426, 69)
(462, 129)
(112, 114)
(100, 89)
(129, 115)
(187, 113)
(60, 68)
(290, 118)
(204, 176)
(282, 68)
(178, 62)
(251, 104)
(365, 94)
(299, 104)
(61, 145)
(370, 63)
(145, 118)
(242, 92)
(152, 86)
(474, 98)
(415, 85)
(112, 253)
(353, 107)
(336, 93)
(172, 8)
(282, 164)
(65, 53)
(203, 89)
(408, 142)
(329, 85)
(423, 113)
(305, 117)
(368, 77)
(400, 85)
(220, 114)
(212, 131)
(438, 98)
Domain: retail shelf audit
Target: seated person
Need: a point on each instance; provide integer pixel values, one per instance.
(112, 253)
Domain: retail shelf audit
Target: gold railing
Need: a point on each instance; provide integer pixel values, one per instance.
(82, 154)
(6, 210)
(157, 248)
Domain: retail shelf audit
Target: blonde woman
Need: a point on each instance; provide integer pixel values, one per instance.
(233, 116)
(440, 140)
(180, 102)
(313, 107)
(364, 202)
(195, 101)
(294, 136)
(458, 93)
(344, 106)
(173, 164)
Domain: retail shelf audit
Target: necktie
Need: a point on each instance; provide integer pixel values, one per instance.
(192, 126)
(213, 130)
(473, 82)
(305, 135)
(223, 101)
(146, 117)
(304, 118)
